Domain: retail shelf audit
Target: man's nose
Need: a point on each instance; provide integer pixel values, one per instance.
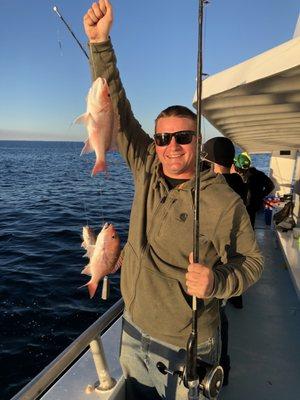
(173, 142)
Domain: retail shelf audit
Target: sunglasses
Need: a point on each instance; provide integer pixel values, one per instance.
(181, 137)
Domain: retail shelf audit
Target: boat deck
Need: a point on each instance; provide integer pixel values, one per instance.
(264, 336)
(264, 340)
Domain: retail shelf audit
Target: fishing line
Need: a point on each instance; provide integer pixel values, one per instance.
(56, 10)
(101, 196)
(58, 34)
(59, 42)
(79, 180)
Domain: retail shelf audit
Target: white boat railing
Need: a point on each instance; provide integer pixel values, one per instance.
(91, 337)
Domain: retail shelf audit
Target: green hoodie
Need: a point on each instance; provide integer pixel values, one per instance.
(160, 237)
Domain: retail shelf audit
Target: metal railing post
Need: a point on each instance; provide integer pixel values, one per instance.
(45, 379)
(106, 381)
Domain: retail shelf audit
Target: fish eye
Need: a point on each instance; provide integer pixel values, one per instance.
(113, 236)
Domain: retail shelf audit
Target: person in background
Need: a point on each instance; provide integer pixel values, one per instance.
(220, 151)
(158, 273)
(258, 183)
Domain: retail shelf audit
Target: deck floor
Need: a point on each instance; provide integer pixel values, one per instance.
(264, 336)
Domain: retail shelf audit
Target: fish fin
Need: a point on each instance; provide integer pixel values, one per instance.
(92, 287)
(90, 250)
(118, 265)
(87, 270)
(87, 148)
(99, 166)
(82, 119)
(89, 247)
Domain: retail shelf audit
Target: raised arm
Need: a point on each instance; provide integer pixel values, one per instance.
(133, 142)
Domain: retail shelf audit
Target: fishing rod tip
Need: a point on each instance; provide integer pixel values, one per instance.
(55, 9)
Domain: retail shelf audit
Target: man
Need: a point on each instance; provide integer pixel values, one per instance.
(220, 152)
(155, 284)
(259, 184)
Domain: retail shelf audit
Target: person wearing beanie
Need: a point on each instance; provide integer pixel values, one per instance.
(259, 184)
(220, 151)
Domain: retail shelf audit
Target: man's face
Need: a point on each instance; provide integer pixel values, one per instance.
(178, 160)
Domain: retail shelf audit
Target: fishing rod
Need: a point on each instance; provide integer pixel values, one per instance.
(199, 375)
(191, 373)
(55, 9)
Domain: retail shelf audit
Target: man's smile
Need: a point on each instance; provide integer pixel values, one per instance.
(174, 155)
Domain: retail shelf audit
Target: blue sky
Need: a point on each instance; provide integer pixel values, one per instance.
(44, 76)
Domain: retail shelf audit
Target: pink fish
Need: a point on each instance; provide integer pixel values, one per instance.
(89, 240)
(99, 120)
(104, 257)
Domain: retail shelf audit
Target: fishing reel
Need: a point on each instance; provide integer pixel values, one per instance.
(210, 378)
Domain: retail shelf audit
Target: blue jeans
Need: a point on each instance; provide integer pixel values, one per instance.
(139, 355)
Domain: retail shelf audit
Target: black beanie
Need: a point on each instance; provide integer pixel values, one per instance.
(219, 150)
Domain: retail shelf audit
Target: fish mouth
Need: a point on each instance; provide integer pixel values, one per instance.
(106, 225)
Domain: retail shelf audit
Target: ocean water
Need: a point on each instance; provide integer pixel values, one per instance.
(46, 196)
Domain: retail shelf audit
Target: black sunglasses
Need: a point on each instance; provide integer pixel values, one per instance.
(181, 137)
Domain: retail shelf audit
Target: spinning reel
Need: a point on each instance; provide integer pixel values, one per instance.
(209, 382)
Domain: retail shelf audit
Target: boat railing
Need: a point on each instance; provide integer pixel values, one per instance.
(91, 337)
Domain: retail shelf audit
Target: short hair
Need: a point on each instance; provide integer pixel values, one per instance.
(176, 111)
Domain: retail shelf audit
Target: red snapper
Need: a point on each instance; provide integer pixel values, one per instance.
(103, 258)
(99, 121)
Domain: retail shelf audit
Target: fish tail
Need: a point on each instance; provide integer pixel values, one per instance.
(92, 287)
(99, 166)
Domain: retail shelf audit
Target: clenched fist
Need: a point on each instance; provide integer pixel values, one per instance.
(98, 21)
(199, 279)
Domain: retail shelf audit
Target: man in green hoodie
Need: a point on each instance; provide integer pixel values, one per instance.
(158, 276)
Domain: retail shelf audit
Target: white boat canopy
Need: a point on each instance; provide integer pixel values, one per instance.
(257, 103)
